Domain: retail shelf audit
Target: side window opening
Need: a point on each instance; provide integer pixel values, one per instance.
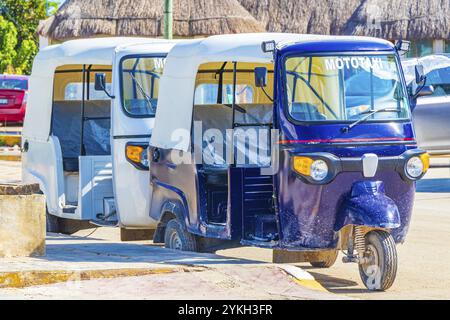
(80, 122)
(215, 92)
(74, 91)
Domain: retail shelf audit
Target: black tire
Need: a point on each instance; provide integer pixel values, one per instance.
(379, 274)
(328, 262)
(56, 224)
(52, 223)
(177, 238)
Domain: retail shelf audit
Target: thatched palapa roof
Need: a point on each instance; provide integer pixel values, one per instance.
(393, 19)
(87, 18)
(402, 19)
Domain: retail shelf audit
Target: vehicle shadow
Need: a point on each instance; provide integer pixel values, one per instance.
(75, 249)
(337, 285)
(437, 185)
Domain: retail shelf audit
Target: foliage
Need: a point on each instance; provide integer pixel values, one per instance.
(8, 42)
(18, 39)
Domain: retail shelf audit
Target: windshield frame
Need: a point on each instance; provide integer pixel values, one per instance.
(283, 59)
(134, 56)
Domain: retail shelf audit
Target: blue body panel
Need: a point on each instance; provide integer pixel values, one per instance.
(307, 216)
(368, 206)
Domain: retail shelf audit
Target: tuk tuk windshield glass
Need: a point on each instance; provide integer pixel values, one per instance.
(140, 84)
(345, 88)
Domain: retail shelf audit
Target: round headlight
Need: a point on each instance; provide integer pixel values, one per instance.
(414, 167)
(319, 170)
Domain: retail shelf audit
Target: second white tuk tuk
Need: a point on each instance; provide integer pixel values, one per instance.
(90, 115)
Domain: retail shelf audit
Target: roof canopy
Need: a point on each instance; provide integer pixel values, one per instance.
(88, 51)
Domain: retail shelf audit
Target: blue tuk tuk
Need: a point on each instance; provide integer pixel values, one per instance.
(290, 142)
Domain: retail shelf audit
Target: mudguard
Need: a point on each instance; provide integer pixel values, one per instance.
(368, 205)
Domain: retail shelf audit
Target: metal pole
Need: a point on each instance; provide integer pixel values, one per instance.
(83, 93)
(168, 19)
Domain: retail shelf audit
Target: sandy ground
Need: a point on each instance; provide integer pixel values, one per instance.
(424, 259)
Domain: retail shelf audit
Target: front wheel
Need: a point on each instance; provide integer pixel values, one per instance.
(379, 264)
(327, 260)
(176, 237)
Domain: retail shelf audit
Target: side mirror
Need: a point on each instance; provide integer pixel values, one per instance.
(100, 84)
(420, 75)
(260, 77)
(425, 91)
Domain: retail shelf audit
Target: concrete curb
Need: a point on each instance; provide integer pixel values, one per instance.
(303, 278)
(22, 279)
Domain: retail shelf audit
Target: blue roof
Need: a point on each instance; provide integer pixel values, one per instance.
(338, 45)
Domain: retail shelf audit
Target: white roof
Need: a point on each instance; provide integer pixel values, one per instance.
(174, 113)
(84, 51)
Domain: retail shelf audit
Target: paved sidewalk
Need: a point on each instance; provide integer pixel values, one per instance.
(90, 268)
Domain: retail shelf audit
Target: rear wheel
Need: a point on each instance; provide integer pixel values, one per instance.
(56, 224)
(379, 267)
(52, 223)
(177, 238)
(328, 261)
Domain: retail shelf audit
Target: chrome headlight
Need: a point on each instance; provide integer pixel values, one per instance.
(319, 170)
(414, 167)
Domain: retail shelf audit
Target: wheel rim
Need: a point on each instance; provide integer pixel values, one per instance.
(371, 259)
(175, 241)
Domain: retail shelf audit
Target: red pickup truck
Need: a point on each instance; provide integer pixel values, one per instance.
(13, 98)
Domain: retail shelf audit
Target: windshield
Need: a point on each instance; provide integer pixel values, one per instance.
(344, 88)
(14, 84)
(140, 84)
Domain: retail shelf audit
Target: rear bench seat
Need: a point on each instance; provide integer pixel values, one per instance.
(66, 125)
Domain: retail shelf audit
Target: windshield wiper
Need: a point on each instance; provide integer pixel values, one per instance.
(366, 117)
(141, 89)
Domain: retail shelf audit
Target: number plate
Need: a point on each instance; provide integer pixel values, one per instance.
(3, 101)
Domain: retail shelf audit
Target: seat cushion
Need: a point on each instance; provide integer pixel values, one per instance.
(70, 164)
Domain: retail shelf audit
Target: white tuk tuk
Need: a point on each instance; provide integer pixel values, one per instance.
(90, 115)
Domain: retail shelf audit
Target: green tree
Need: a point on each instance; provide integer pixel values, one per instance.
(8, 43)
(20, 19)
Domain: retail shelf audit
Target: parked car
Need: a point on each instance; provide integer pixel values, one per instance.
(13, 98)
(431, 114)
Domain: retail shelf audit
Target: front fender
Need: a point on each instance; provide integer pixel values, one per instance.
(369, 206)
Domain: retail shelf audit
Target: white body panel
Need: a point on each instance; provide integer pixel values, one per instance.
(43, 164)
(131, 185)
(115, 177)
(95, 185)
